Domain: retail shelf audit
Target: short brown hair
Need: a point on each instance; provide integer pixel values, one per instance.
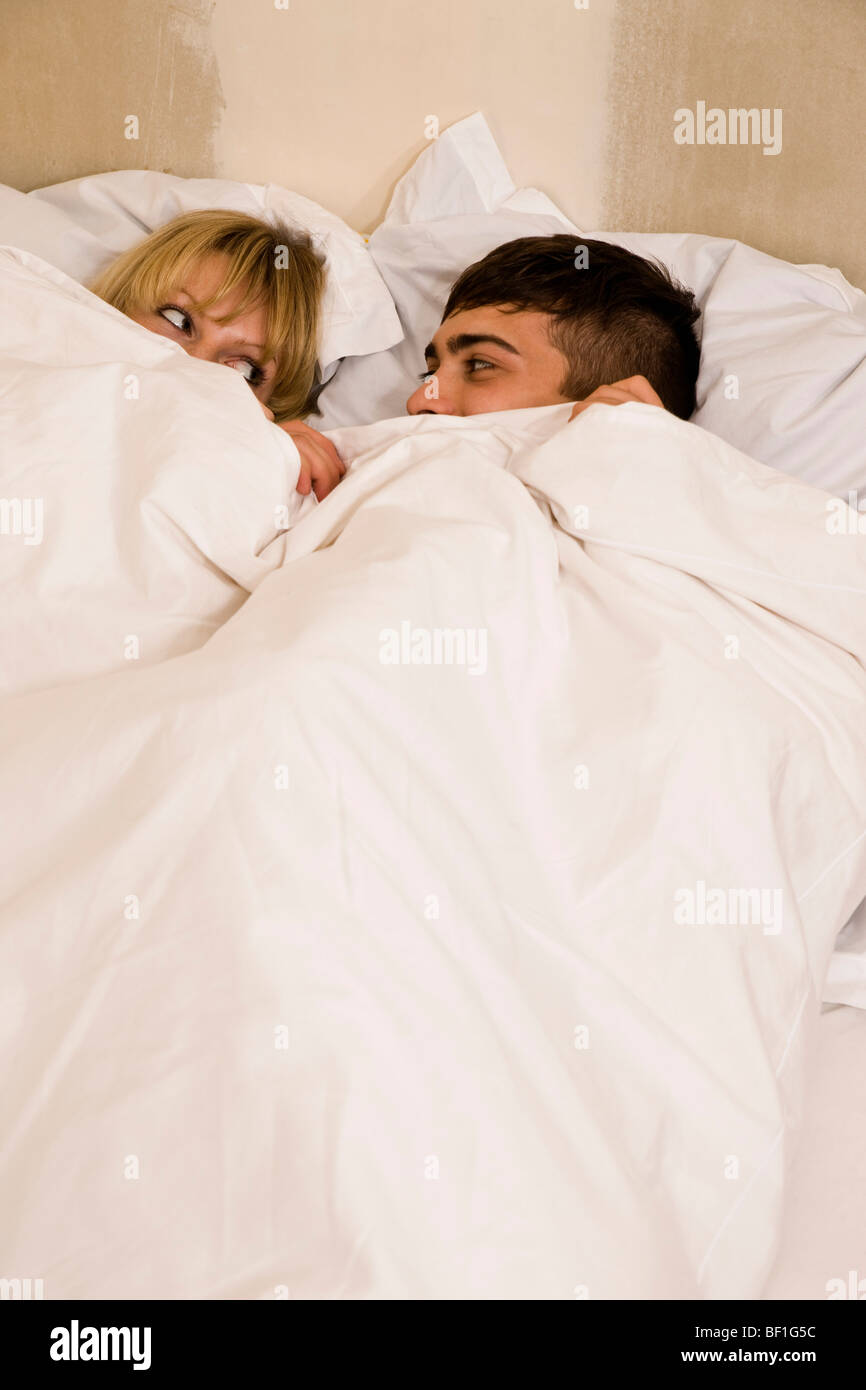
(272, 264)
(615, 314)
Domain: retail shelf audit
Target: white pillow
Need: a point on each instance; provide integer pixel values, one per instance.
(81, 225)
(783, 356)
(456, 203)
(51, 235)
(791, 340)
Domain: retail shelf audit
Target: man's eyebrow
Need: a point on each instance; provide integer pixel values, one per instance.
(461, 341)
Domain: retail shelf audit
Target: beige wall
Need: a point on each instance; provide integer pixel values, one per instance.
(71, 71)
(331, 96)
(809, 58)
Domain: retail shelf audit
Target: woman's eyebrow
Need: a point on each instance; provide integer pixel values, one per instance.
(238, 342)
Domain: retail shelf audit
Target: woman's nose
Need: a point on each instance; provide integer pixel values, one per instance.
(203, 348)
(211, 342)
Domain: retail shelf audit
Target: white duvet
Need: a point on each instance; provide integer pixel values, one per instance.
(432, 899)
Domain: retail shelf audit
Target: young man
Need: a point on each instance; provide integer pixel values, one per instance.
(545, 320)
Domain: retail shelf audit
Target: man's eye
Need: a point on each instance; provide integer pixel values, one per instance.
(477, 364)
(425, 376)
(176, 317)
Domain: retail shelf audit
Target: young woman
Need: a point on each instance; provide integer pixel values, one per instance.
(245, 293)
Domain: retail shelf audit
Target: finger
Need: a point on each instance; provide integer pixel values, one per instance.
(612, 395)
(616, 395)
(639, 389)
(326, 473)
(604, 395)
(299, 430)
(304, 483)
(325, 480)
(327, 450)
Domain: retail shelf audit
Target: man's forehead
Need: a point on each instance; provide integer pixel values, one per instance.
(509, 329)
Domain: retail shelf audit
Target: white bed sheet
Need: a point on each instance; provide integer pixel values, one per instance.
(824, 1221)
(800, 409)
(575, 1062)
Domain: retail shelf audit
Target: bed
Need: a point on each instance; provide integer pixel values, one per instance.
(340, 955)
(823, 1244)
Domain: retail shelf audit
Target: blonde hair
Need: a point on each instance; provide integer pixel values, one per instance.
(270, 264)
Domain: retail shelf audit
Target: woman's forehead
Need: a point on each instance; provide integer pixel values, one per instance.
(202, 280)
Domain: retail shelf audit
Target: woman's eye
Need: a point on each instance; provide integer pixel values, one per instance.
(248, 370)
(176, 317)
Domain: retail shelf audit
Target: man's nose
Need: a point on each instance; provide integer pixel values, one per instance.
(432, 398)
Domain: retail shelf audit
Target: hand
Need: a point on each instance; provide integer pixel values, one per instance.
(632, 388)
(321, 465)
